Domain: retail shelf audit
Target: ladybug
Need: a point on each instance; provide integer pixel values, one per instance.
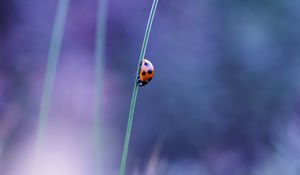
(146, 73)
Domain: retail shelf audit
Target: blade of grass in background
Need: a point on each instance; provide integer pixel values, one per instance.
(53, 55)
(135, 90)
(100, 55)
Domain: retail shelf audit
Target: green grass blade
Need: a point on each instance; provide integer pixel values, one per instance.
(135, 89)
(53, 55)
(100, 54)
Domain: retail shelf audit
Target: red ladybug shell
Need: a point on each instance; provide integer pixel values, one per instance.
(146, 72)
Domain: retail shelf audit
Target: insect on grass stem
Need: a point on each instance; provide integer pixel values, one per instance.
(135, 90)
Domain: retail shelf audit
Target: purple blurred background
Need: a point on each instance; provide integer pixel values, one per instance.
(224, 101)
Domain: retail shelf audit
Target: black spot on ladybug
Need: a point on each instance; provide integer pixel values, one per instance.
(149, 71)
(143, 73)
(146, 64)
(149, 79)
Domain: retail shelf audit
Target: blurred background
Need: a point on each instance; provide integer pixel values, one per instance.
(224, 100)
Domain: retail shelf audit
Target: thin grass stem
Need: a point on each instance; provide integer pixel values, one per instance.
(53, 55)
(100, 55)
(135, 89)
